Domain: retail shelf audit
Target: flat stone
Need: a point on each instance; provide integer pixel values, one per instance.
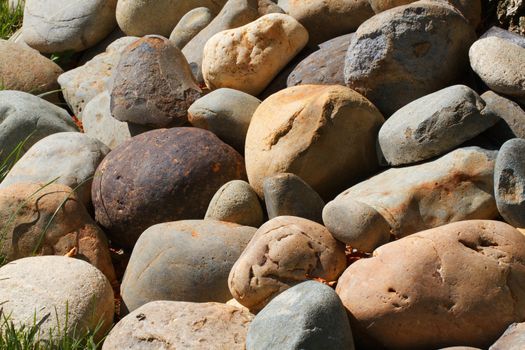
(512, 339)
(48, 290)
(225, 112)
(172, 325)
(153, 84)
(236, 202)
(433, 125)
(174, 178)
(403, 201)
(67, 25)
(190, 25)
(183, 261)
(288, 195)
(67, 158)
(309, 315)
(512, 118)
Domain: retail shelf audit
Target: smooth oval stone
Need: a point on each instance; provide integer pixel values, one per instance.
(52, 291)
(509, 182)
(153, 84)
(303, 130)
(288, 195)
(160, 176)
(394, 67)
(67, 25)
(31, 226)
(285, 251)
(512, 118)
(501, 65)
(323, 67)
(183, 261)
(458, 186)
(407, 293)
(433, 125)
(225, 112)
(24, 69)
(512, 339)
(309, 315)
(67, 158)
(271, 41)
(236, 202)
(190, 25)
(173, 325)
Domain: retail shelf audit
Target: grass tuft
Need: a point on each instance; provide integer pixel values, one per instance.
(10, 19)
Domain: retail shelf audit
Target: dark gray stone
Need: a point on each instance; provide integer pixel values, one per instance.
(512, 118)
(509, 182)
(512, 339)
(287, 194)
(309, 315)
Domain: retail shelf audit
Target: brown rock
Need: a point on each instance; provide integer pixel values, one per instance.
(159, 176)
(462, 283)
(285, 251)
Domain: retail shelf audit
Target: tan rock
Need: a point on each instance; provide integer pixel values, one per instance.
(463, 283)
(324, 134)
(285, 251)
(249, 57)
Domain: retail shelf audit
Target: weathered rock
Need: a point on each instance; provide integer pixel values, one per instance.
(225, 112)
(302, 130)
(174, 178)
(183, 261)
(325, 20)
(100, 124)
(235, 13)
(511, 14)
(268, 6)
(153, 84)
(249, 57)
(82, 84)
(512, 339)
(190, 25)
(30, 226)
(509, 182)
(67, 158)
(67, 25)
(323, 67)
(504, 34)
(48, 290)
(403, 201)
(283, 252)
(236, 202)
(24, 69)
(393, 67)
(30, 118)
(174, 325)
(288, 195)
(501, 65)
(414, 287)
(433, 125)
(307, 316)
(512, 118)
(157, 16)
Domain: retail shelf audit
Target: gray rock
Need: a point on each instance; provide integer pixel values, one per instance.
(153, 84)
(236, 202)
(100, 124)
(47, 290)
(23, 115)
(433, 125)
(67, 25)
(309, 315)
(225, 112)
(183, 261)
(512, 339)
(235, 13)
(81, 84)
(504, 34)
(69, 158)
(509, 182)
(172, 325)
(403, 201)
(190, 25)
(287, 194)
(325, 66)
(393, 67)
(512, 118)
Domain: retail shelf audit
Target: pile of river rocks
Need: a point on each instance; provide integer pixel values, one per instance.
(215, 174)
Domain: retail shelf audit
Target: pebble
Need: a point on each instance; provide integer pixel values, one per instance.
(512, 339)
(190, 25)
(512, 118)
